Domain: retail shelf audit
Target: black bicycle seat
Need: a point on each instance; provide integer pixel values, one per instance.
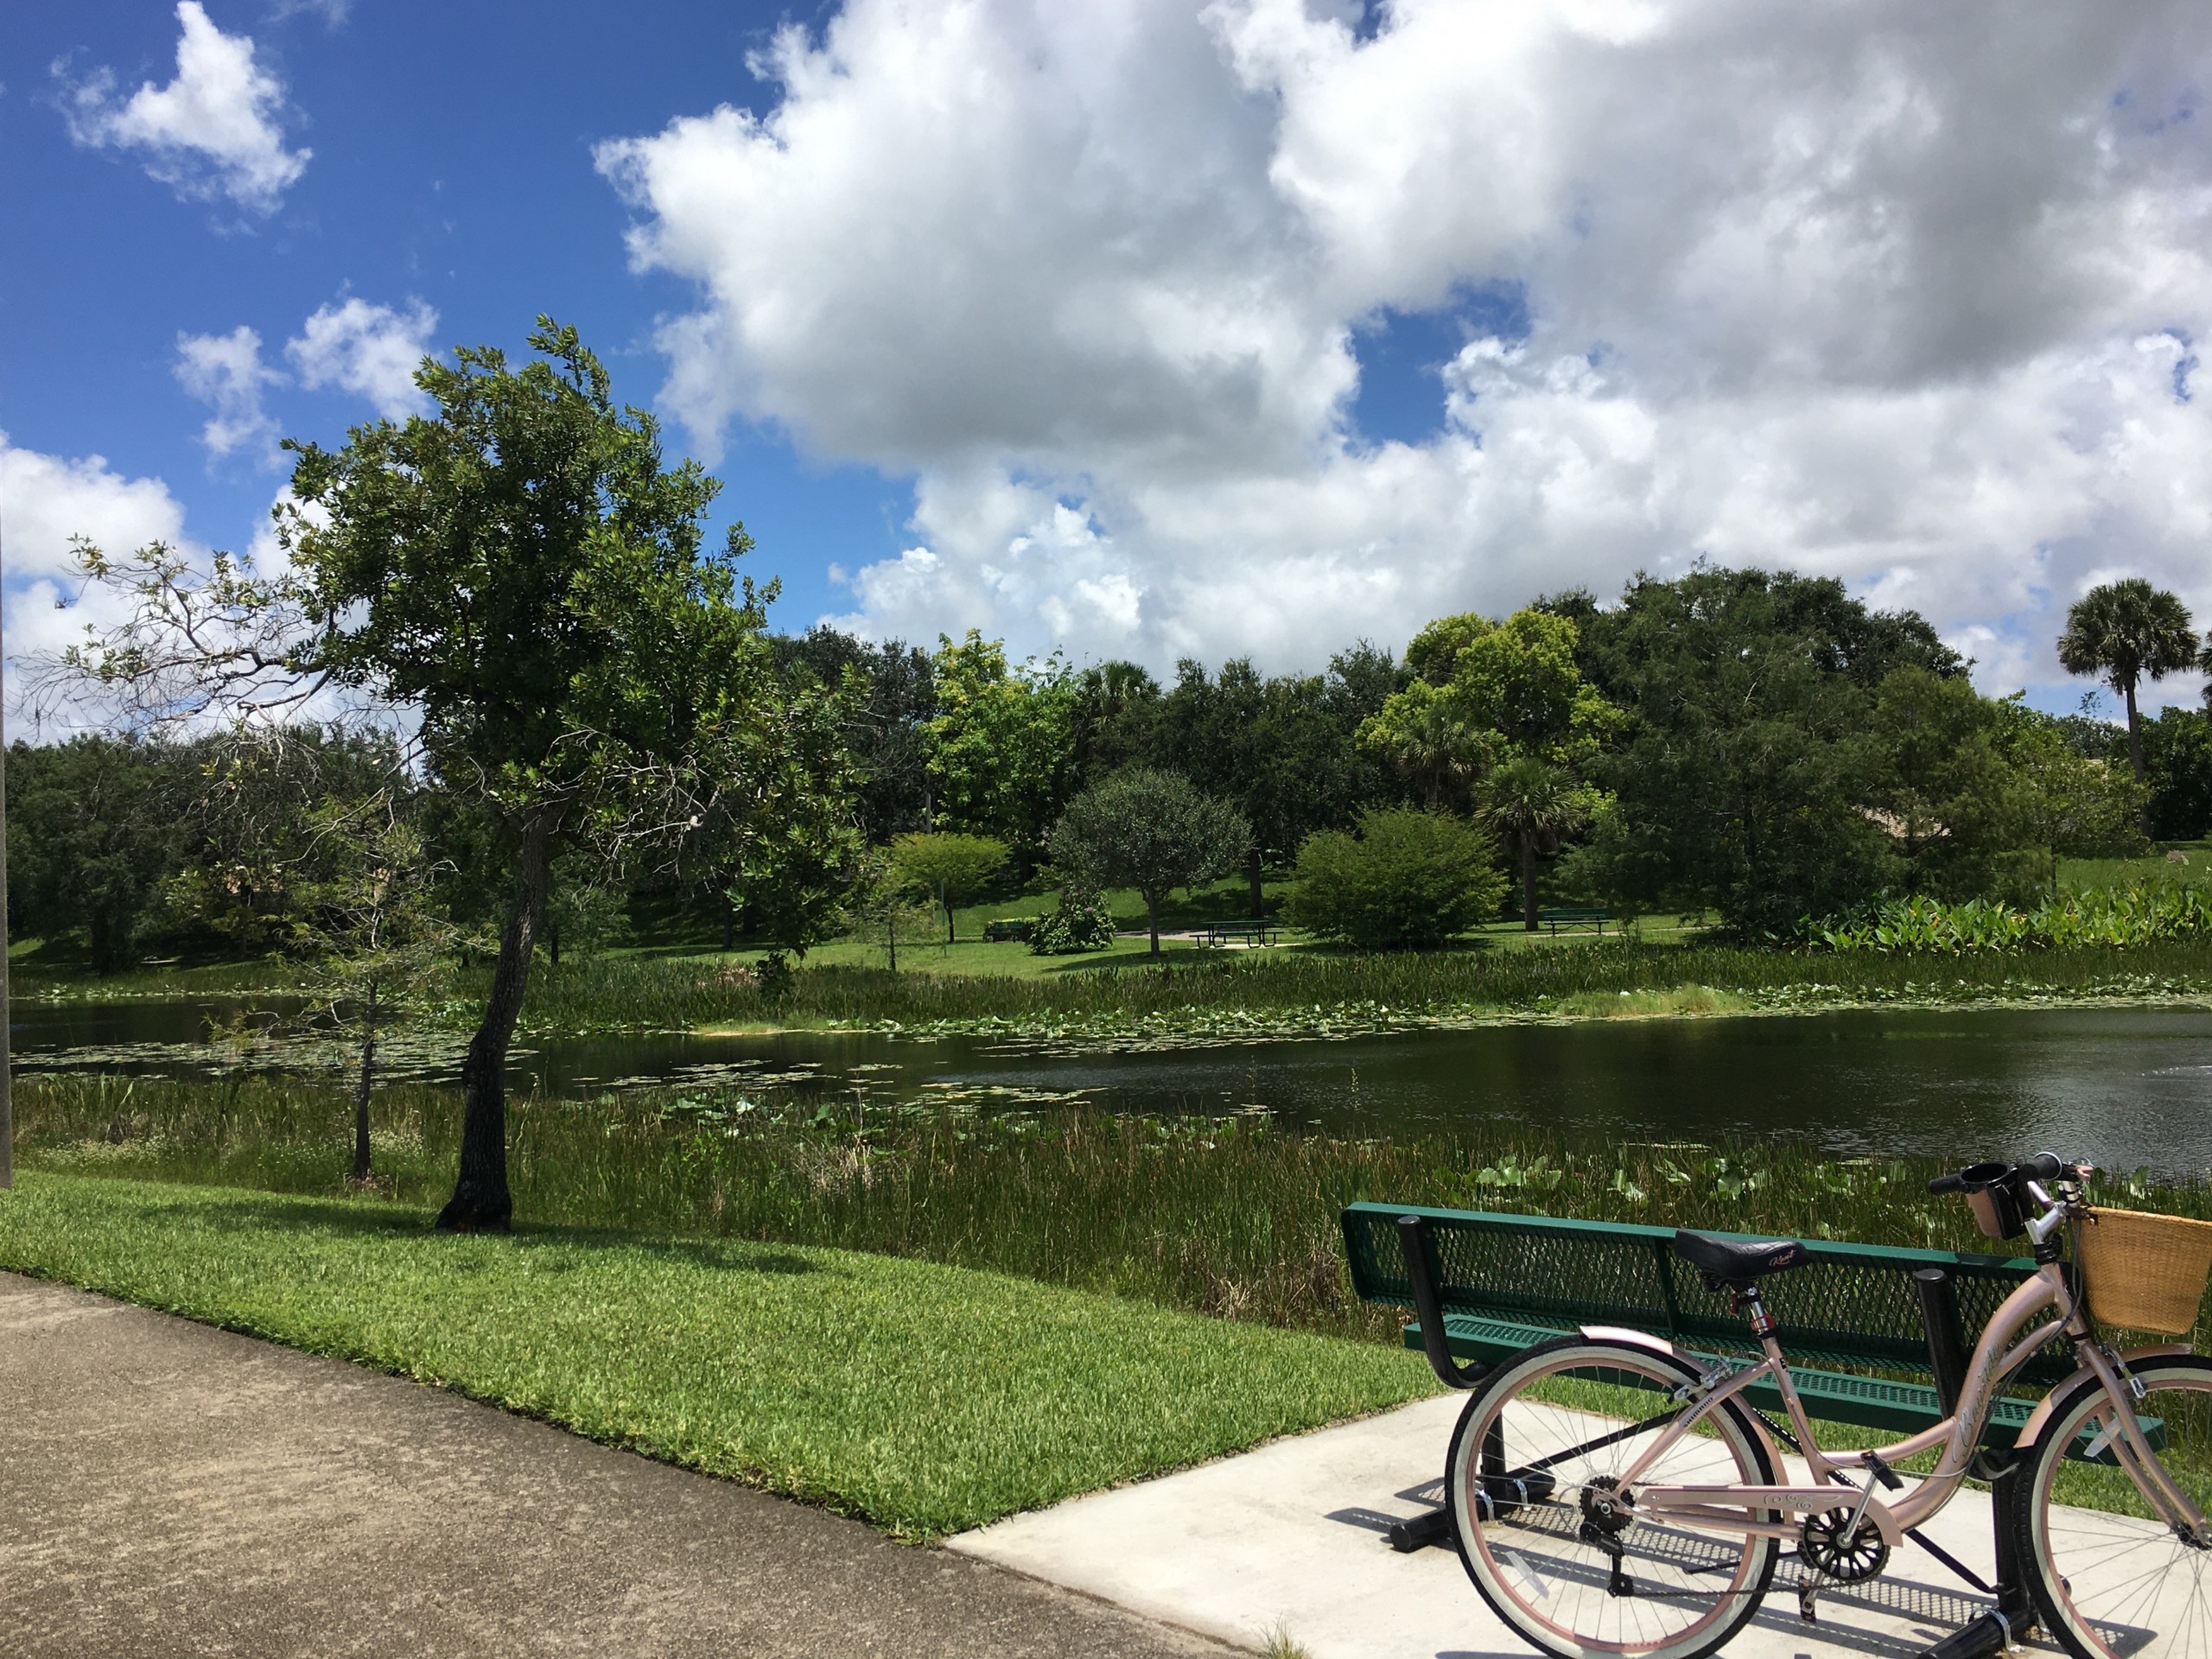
(1735, 1262)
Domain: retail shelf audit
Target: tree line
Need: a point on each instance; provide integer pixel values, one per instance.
(1754, 744)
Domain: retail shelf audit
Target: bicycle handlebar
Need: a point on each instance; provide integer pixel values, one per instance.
(2044, 1166)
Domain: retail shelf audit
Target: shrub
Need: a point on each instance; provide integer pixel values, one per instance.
(1081, 922)
(1408, 877)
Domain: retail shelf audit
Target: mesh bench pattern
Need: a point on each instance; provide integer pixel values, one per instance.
(1857, 1317)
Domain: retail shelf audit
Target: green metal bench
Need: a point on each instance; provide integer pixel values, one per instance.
(1573, 917)
(1883, 1334)
(1007, 932)
(1247, 931)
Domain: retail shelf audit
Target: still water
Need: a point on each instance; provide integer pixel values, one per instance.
(2121, 1087)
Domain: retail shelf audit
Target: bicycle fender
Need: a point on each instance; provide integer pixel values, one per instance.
(2062, 1392)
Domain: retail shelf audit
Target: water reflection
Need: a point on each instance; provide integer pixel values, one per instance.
(2124, 1087)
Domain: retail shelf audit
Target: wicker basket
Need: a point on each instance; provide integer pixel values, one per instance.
(2145, 1271)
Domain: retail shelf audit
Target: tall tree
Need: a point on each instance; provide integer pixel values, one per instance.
(894, 700)
(999, 746)
(2125, 633)
(519, 573)
(1535, 806)
(1739, 782)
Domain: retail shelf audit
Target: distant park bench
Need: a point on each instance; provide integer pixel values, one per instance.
(1246, 932)
(1889, 1328)
(1013, 932)
(1555, 919)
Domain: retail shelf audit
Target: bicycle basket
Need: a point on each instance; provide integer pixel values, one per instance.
(2145, 1271)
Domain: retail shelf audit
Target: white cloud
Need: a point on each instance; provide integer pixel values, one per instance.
(371, 350)
(332, 12)
(1898, 292)
(49, 499)
(216, 130)
(225, 372)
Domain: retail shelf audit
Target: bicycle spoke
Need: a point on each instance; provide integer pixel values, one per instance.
(1569, 1564)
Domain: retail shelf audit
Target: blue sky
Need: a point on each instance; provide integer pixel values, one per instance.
(452, 164)
(1137, 328)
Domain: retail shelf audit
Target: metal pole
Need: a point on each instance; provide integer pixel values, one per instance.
(7, 1110)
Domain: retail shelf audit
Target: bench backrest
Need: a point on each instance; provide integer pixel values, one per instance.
(1855, 1305)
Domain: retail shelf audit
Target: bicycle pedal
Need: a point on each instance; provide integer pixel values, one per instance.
(1808, 1600)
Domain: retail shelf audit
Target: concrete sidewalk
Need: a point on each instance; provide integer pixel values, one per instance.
(1290, 1537)
(169, 1490)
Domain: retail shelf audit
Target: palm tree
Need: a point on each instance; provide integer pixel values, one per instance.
(1425, 735)
(2125, 631)
(1534, 805)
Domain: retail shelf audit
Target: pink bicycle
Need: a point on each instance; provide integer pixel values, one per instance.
(1612, 1494)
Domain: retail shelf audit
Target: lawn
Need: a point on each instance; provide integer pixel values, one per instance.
(2195, 869)
(927, 1399)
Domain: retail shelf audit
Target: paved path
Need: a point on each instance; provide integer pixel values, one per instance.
(1289, 1537)
(169, 1490)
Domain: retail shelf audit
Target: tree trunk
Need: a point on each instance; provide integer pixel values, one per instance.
(945, 905)
(480, 1201)
(553, 942)
(891, 932)
(2135, 751)
(361, 1094)
(1151, 916)
(1529, 883)
(1259, 898)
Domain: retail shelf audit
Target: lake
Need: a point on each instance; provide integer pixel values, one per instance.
(2121, 1087)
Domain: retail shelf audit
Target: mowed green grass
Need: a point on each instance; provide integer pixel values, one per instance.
(926, 1399)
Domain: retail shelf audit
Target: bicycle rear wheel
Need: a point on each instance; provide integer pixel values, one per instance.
(1533, 1484)
(2113, 1578)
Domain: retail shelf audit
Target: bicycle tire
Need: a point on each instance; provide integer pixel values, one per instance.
(2110, 1579)
(1530, 1552)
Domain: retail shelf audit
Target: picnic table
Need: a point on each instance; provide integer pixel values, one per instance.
(1247, 931)
(1571, 917)
(1875, 1335)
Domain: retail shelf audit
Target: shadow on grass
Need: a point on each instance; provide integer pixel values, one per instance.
(337, 1217)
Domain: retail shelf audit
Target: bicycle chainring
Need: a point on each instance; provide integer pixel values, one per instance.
(1820, 1546)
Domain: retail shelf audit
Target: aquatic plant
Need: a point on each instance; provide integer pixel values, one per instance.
(1232, 1215)
(2098, 917)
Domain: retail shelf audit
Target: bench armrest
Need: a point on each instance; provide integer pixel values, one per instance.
(1429, 1308)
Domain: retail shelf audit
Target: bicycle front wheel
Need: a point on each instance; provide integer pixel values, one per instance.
(2116, 1579)
(1542, 1518)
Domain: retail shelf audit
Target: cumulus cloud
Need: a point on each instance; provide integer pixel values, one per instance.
(49, 500)
(371, 350)
(225, 372)
(1903, 293)
(215, 130)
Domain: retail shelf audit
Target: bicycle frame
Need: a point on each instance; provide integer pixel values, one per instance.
(2006, 1344)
